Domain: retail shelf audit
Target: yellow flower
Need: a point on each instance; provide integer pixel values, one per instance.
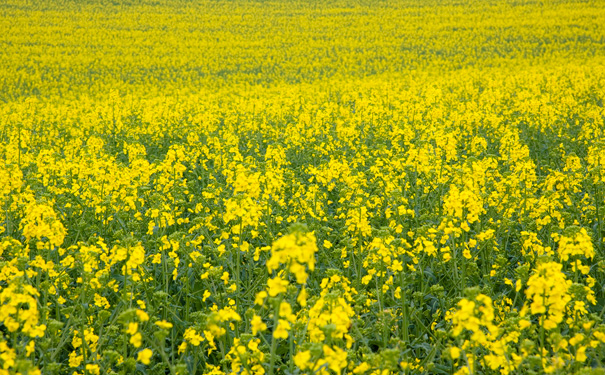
(136, 340)
(29, 349)
(285, 311)
(144, 356)
(302, 360)
(257, 324)
(576, 339)
(276, 286)
(192, 337)
(75, 359)
(467, 254)
(163, 324)
(132, 328)
(454, 352)
(260, 298)
(281, 331)
(336, 358)
(581, 354)
(475, 317)
(578, 243)
(363, 367)
(228, 313)
(297, 249)
(524, 323)
(547, 289)
(93, 369)
(302, 297)
(142, 315)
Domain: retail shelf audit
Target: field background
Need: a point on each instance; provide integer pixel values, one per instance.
(302, 187)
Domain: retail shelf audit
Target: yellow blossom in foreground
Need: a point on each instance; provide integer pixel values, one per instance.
(336, 358)
(547, 289)
(294, 250)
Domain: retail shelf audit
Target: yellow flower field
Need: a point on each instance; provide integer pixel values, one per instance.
(302, 187)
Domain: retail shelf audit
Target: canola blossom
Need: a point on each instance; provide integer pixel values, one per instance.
(302, 187)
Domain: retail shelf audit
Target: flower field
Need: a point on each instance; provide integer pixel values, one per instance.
(302, 187)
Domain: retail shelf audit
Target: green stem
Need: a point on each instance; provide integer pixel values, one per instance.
(404, 311)
(238, 283)
(273, 340)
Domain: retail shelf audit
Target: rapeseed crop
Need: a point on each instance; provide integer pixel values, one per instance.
(302, 187)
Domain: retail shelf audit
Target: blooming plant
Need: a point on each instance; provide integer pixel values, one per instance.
(302, 187)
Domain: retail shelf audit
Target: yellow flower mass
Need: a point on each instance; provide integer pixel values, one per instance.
(302, 187)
